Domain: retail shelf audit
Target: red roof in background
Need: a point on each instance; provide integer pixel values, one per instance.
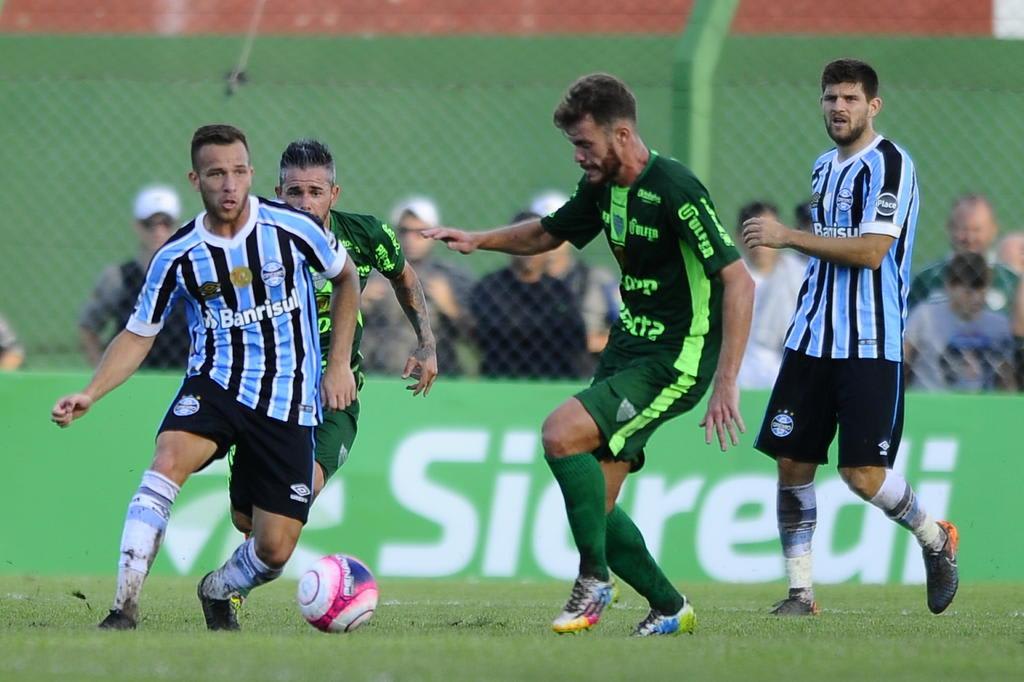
(509, 17)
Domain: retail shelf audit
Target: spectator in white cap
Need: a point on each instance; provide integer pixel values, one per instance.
(156, 210)
(445, 285)
(595, 289)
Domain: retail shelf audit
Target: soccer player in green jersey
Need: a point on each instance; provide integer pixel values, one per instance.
(686, 307)
(308, 182)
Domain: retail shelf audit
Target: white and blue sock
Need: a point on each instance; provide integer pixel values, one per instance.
(797, 511)
(240, 573)
(144, 528)
(897, 499)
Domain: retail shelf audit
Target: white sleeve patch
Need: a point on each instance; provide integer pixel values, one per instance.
(879, 227)
(137, 326)
(335, 266)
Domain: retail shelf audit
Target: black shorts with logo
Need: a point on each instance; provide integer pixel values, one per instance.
(813, 397)
(272, 467)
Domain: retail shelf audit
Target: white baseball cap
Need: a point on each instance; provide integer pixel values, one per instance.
(157, 199)
(422, 207)
(548, 202)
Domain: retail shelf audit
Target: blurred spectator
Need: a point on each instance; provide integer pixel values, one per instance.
(387, 335)
(778, 275)
(1011, 252)
(527, 323)
(595, 289)
(1018, 336)
(104, 314)
(957, 343)
(972, 228)
(11, 352)
(802, 217)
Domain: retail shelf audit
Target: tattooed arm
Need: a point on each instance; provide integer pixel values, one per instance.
(422, 364)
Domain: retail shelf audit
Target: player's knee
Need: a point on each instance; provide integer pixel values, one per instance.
(242, 522)
(862, 481)
(555, 437)
(274, 552)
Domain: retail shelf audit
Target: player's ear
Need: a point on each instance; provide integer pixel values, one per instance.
(193, 179)
(278, 192)
(335, 193)
(875, 106)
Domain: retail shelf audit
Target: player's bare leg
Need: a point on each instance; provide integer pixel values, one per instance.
(257, 561)
(178, 455)
(570, 436)
(891, 493)
(797, 512)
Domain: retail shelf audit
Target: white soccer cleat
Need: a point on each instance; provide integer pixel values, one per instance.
(586, 603)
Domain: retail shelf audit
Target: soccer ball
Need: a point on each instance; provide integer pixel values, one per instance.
(337, 594)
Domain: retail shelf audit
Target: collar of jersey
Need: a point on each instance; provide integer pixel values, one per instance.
(211, 238)
(862, 152)
(650, 162)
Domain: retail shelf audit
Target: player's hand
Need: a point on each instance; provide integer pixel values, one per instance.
(765, 231)
(421, 366)
(724, 414)
(456, 240)
(338, 387)
(70, 408)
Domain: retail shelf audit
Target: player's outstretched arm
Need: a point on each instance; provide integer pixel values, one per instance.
(422, 364)
(339, 384)
(724, 405)
(865, 251)
(520, 239)
(122, 357)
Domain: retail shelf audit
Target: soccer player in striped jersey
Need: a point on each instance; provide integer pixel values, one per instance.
(242, 268)
(843, 365)
(685, 316)
(308, 182)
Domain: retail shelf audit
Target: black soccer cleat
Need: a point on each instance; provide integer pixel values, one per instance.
(798, 603)
(941, 571)
(117, 620)
(219, 613)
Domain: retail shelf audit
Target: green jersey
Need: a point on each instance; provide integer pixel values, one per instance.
(669, 243)
(372, 245)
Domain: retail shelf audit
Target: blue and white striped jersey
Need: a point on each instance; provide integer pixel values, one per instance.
(251, 306)
(845, 312)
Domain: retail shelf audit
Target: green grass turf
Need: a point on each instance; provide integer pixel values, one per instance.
(498, 630)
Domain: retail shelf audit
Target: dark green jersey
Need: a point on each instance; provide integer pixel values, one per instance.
(669, 244)
(372, 245)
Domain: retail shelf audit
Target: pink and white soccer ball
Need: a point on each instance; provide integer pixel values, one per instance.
(337, 594)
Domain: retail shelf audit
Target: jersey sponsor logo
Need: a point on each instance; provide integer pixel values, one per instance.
(782, 424)
(844, 200)
(718, 224)
(645, 231)
(392, 236)
(689, 215)
(883, 449)
(209, 290)
(241, 276)
(648, 286)
(384, 262)
(300, 492)
(648, 197)
(272, 273)
(227, 318)
(186, 406)
(886, 204)
(836, 232)
(626, 411)
(815, 198)
(640, 326)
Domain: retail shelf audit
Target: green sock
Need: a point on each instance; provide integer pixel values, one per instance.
(582, 483)
(629, 559)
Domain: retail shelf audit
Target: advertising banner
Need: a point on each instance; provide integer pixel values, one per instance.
(455, 485)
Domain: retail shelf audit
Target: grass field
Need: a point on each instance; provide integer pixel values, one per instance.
(482, 631)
